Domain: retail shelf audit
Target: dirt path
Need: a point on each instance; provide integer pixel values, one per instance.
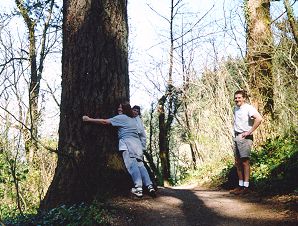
(193, 206)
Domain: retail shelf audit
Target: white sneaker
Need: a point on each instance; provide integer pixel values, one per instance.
(138, 192)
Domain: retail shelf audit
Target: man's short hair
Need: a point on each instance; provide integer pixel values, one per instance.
(242, 92)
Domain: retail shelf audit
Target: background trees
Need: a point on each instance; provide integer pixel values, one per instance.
(37, 15)
(210, 72)
(24, 92)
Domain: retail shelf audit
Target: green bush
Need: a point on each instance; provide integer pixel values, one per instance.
(275, 165)
(75, 215)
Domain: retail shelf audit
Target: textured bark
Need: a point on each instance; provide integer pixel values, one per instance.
(94, 80)
(259, 54)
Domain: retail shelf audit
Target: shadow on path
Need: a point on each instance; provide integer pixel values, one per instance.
(186, 207)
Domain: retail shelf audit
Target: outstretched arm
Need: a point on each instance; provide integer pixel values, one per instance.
(96, 120)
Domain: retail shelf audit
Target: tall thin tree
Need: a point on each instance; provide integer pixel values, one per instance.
(292, 20)
(168, 102)
(40, 18)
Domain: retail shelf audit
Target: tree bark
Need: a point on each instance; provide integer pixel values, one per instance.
(259, 55)
(94, 81)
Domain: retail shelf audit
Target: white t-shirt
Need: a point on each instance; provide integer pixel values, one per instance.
(243, 120)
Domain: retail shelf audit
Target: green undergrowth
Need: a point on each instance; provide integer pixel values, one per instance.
(76, 215)
(274, 171)
(210, 174)
(275, 165)
(274, 168)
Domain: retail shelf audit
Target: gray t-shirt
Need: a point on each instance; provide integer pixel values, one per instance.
(243, 120)
(128, 135)
(141, 131)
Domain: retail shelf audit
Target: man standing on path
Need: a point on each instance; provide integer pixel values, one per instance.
(246, 121)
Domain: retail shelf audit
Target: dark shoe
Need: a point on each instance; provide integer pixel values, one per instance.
(236, 191)
(151, 190)
(245, 191)
(138, 192)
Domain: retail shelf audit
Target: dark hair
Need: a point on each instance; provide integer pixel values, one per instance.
(126, 109)
(138, 108)
(242, 92)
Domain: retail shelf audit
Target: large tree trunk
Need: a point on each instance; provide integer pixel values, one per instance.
(259, 57)
(94, 80)
(259, 54)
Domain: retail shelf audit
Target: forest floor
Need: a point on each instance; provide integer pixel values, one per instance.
(194, 206)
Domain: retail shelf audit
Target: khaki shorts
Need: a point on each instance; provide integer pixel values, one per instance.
(242, 147)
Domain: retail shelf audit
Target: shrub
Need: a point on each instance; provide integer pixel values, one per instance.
(81, 214)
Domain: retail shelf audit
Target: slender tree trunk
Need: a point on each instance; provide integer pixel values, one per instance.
(34, 86)
(193, 149)
(291, 18)
(36, 70)
(12, 166)
(151, 129)
(94, 80)
(163, 147)
(167, 98)
(148, 152)
(184, 99)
